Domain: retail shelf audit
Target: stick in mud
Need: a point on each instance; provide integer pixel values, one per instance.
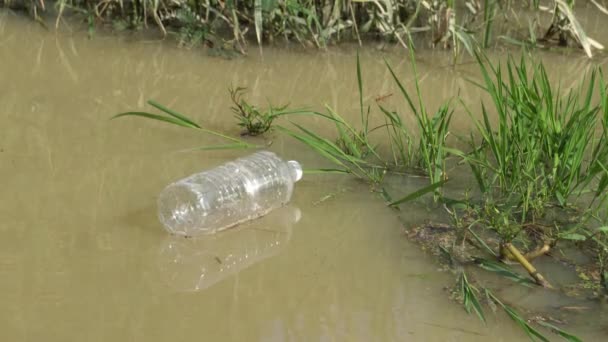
(540, 280)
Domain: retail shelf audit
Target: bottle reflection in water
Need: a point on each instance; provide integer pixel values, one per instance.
(195, 264)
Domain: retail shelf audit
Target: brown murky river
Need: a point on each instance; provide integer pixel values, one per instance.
(84, 258)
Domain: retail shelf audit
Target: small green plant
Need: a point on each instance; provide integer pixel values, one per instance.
(254, 120)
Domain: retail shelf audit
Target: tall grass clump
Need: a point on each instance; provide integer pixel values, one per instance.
(538, 149)
(433, 130)
(232, 25)
(545, 143)
(354, 152)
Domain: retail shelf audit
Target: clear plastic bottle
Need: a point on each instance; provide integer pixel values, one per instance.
(227, 195)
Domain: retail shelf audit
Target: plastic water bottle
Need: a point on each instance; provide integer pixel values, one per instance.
(227, 195)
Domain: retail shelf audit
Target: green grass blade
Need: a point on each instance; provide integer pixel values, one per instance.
(469, 296)
(387, 197)
(572, 237)
(590, 91)
(600, 242)
(155, 117)
(528, 329)
(479, 178)
(603, 99)
(603, 184)
(480, 241)
(315, 144)
(414, 195)
(504, 271)
(404, 92)
(329, 146)
(343, 133)
(330, 149)
(324, 147)
(176, 121)
(560, 332)
(300, 112)
(532, 333)
(173, 113)
(360, 85)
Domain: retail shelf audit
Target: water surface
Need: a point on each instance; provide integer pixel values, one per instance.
(84, 258)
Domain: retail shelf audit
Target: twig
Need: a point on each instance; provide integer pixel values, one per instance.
(540, 280)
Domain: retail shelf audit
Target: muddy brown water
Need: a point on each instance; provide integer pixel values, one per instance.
(83, 257)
